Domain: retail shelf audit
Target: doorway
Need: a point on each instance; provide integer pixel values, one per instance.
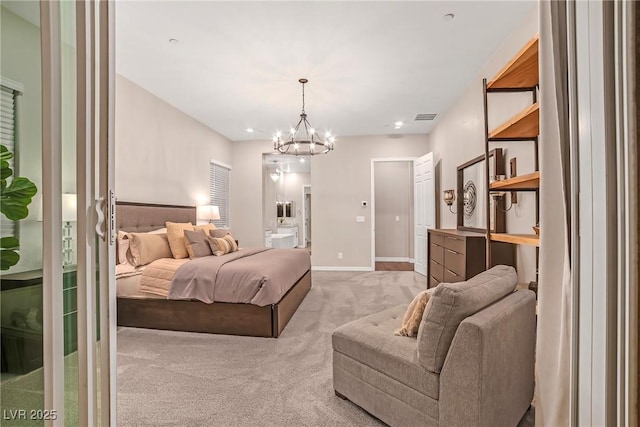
(393, 214)
(306, 215)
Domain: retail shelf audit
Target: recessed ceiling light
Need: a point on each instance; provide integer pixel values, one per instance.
(398, 124)
(301, 159)
(174, 41)
(448, 17)
(250, 130)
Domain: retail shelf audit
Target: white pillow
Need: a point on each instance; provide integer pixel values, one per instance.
(123, 247)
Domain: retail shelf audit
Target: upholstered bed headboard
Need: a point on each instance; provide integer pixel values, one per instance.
(143, 217)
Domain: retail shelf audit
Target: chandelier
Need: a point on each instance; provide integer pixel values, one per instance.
(303, 138)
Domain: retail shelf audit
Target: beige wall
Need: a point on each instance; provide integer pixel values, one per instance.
(393, 199)
(340, 180)
(459, 136)
(162, 154)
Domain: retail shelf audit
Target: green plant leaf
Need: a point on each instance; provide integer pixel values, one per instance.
(5, 154)
(8, 259)
(16, 197)
(14, 210)
(9, 243)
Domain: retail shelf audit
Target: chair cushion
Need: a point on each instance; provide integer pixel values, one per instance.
(451, 303)
(370, 341)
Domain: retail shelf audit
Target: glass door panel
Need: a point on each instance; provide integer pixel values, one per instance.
(21, 276)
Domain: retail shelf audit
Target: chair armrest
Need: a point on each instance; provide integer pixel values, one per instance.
(488, 375)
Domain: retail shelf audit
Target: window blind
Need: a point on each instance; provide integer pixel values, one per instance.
(8, 139)
(219, 192)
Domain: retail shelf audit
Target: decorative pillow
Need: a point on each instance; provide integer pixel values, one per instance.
(123, 247)
(219, 232)
(147, 247)
(175, 234)
(197, 243)
(158, 231)
(451, 303)
(223, 245)
(206, 227)
(413, 315)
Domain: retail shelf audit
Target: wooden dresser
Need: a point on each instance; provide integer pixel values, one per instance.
(455, 256)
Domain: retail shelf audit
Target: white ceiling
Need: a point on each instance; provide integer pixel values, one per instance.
(369, 64)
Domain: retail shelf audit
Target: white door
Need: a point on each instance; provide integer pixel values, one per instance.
(425, 208)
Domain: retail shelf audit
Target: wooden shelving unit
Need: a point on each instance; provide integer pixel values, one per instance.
(521, 71)
(521, 74)
(524, 125)
(517, 239)
(530, 181)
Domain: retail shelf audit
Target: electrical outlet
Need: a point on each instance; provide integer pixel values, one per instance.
(339, 255)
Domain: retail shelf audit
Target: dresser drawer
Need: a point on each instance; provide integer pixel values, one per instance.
(451, 277)
(436, 238)
(436, 253)
(433, 282)
(436, 270)
(455, 262)
(455, 244)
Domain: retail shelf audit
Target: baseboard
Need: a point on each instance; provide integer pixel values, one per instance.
(393, 259)
(340, 268)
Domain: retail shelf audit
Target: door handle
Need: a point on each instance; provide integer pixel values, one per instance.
(100, 223)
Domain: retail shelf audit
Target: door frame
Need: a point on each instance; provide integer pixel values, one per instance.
(373, 201)
(304, 217)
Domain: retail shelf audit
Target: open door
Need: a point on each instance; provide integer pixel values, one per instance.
(425, 208)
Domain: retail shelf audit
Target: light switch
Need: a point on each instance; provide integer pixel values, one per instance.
(360, 218)
(397, 218)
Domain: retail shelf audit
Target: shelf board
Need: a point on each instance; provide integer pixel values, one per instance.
(518, 239)
(523, 125)
(521, 71)
(530, 181)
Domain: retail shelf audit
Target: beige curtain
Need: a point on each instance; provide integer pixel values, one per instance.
(552, 404)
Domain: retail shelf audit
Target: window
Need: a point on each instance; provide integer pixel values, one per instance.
(9, 91)
(219, 191)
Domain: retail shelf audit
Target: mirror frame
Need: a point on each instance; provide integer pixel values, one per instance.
(498, 212)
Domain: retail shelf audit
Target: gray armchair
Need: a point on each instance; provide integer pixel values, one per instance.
(472, 363)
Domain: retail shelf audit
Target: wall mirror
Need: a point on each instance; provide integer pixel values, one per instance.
(472, 194)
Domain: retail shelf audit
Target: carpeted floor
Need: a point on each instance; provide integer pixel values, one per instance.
(188, 379)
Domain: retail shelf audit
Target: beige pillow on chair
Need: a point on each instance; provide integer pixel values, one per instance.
(175, 234)
(413, 315)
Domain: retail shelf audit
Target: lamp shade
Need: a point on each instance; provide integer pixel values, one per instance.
(69, 208)
(208, 212)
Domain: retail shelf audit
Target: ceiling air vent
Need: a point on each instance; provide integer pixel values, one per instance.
(425, 116)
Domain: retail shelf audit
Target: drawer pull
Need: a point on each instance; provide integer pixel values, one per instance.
(453, 252)
(452, 272)
(454, 238)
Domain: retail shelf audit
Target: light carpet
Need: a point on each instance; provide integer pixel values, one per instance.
(190, 379)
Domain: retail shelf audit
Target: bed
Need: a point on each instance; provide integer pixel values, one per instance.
(193, 315)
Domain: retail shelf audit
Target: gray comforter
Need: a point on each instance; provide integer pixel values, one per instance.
(259, 276)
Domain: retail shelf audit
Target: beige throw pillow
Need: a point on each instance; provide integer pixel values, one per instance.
(413, 315)
(197, 243)
(206, 227)
(146, 247)
(175, 234)
(223, 245)
(219, 232)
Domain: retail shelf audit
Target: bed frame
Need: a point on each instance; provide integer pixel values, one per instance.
(196, 316)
